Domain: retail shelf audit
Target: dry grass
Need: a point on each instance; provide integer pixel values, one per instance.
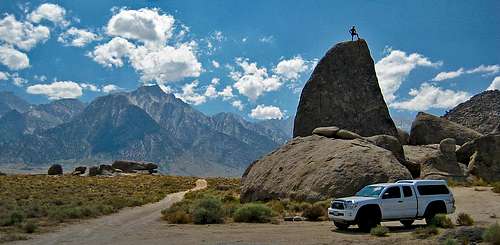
(32, 203)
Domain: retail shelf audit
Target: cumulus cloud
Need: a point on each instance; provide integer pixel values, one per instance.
(448, 75)
(112, 53)
(146, 25)
(13, 59)
(190, 95)
(4, 75)
(237, 104)
(211, 91)
(488, 69)
(495, 84)
(292, 68)
(77, 37)
(17, 80)
(226, 93)
(51, 12)
(393, 69)
(429, 96)
(23, 35)
(110, 88)
(263, 112)
(215, 64)
(90, 87)
(253, 81)
(57, 90)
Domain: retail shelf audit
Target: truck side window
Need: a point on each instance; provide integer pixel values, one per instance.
(407, 191)
(392, 192)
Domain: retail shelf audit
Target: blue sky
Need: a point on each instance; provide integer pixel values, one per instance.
(247, 57)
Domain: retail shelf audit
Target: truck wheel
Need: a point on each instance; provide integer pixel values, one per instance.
(367, 222)
(407, 222)
(341, 226)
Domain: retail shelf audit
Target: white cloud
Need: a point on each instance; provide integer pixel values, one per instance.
(292, 68)
(77, 37)
(254, 81)
(448, 75)
(244, 40)
(189, 94)
(237, 104)
(226, 93)
(263, 112)
(13, 59)
(215, 81)
(215, 64)
(17, 80)
(146, 25)
(57, 90)
(393, 69)
(495, 84)
(110, 88)
(267, 39)
(4, 75)
(429, 96)
(488, 69)
(22, 34)
(89, 86)
(211, 92)
(51, 12)
(112, 53)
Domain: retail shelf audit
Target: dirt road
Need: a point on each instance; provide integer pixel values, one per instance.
(113, 229)
(142, 226)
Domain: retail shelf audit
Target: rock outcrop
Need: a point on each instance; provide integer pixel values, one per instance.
(404, 137)
(343, 91)
(55, 169)
(482, 156)
(481, 112)
(429, 129)
(132, 166)
(316, 168)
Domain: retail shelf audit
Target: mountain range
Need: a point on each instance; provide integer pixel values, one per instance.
(144, 125)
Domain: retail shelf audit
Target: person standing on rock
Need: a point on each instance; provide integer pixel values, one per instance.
(353, 33)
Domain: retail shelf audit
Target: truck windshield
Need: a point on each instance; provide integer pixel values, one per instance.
(370, 191)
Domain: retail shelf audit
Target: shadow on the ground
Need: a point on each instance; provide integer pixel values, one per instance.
(354, 230)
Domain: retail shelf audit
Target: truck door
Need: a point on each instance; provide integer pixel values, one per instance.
(391, 203)
(409, 204)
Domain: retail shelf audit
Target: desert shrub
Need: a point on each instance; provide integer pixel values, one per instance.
(492, 234)
(314, 212)
(464, 219)
(277, 206)
(425, 232)
(178, 213)
(479, 182)
(30, 227)
(15, 217)
(450, 241)
(12, 237)
(208, 210)
(441, 220)
(325, 203)
(496, 187)
(253, 213)
(379, 231)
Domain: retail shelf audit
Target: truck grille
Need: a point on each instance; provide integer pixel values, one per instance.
(337, 205)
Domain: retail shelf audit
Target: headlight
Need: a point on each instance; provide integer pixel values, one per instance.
(350, 205)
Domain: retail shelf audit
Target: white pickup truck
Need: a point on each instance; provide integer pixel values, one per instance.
(405, 200)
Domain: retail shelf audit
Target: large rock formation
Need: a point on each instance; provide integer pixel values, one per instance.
(316, 168)
(343, 91)
(481, 112)
(429, 129)
(482, 156)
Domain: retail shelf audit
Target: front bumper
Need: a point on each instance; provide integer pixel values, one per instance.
(341, 215)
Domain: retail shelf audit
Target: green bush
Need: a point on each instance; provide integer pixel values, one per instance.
(208, 211)
(450, 241)
(441, 220)
(253, 213)
(379, 231)
(464, 219)
(492, 234)
(314, 212)
(496, 187)
(425, 232)
(13, 218)
(178, 213)
(30, 227)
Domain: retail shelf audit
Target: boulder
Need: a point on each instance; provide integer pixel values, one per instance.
(316, 168)
(81, 169)
(347, 135)
(404, 137)
(448, 146)
(94, 171)
(2, 174)
(329, 132)
(132, 166)
(55, 169)
(482, 156)
(435, 164)
(104, 167)
(429, 129)
(343, 90)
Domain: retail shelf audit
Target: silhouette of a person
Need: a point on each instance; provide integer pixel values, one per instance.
(353, 33)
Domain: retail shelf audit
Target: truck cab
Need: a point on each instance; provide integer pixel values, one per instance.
(405, 200)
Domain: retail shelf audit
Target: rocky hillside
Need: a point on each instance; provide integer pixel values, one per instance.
(145, 125)
(481, 112)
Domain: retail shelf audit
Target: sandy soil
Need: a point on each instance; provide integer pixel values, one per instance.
(143, 226)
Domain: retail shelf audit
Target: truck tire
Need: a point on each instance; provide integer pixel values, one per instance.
(407, 222)
(433, 209)
(368, 217)
(341, 226)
